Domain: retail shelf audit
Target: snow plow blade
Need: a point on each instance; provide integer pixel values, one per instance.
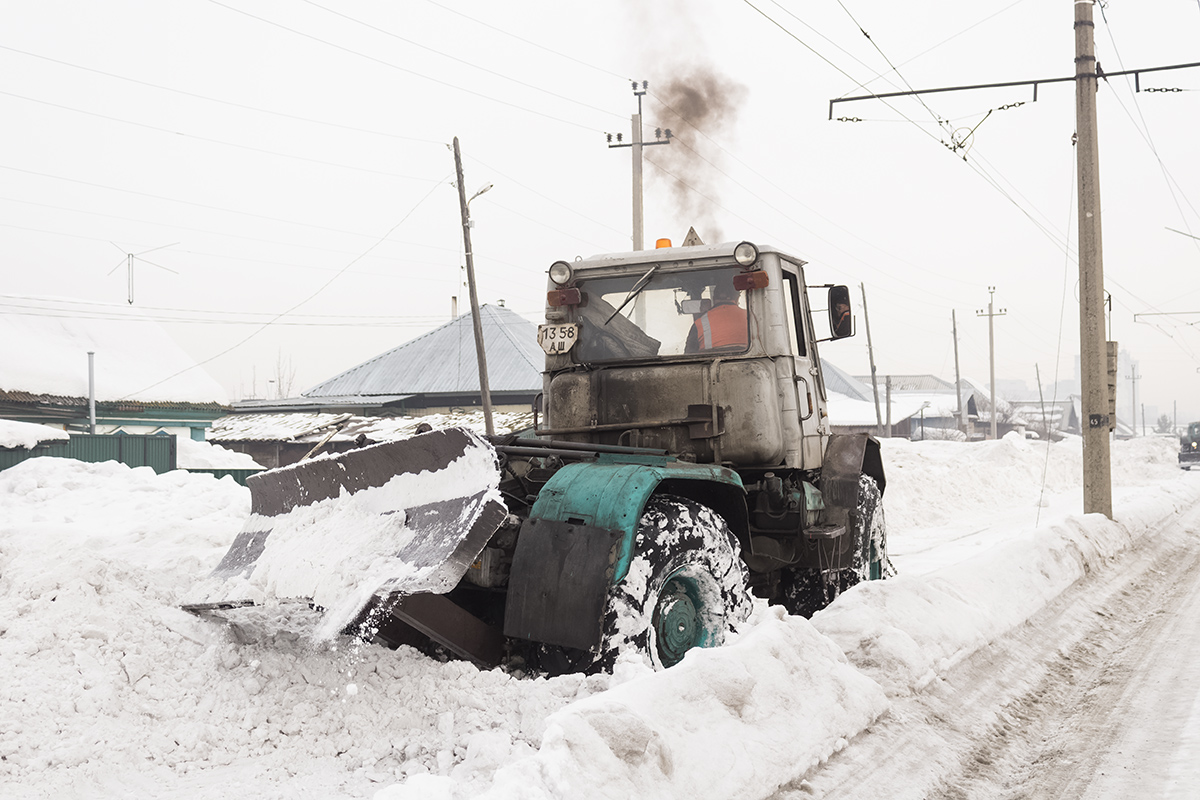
(342, 531)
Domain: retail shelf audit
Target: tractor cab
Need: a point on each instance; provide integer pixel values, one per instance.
(708, 352)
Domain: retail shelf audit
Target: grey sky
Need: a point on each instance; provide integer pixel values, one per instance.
(295, 156)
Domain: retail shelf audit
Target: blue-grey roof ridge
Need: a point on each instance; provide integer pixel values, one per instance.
(442, 361)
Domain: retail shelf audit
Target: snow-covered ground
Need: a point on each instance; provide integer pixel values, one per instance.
(111, 691)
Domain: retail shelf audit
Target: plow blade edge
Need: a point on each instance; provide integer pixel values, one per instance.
(335, 532)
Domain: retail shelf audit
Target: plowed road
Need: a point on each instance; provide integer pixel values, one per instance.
(1098, 696)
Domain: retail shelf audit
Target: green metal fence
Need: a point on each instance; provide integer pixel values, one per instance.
(238, 475)
(157, 452)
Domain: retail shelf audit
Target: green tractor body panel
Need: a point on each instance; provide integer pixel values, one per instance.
(611, 492)
(578, 541)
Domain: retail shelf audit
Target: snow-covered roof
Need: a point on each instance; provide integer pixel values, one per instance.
(851, 411)
(307, 426)
(135, 360)
(27, 434)
(910, 383)
(443, 361)
(842, 382)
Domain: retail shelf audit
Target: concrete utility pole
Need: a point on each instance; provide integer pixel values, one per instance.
(92, 392)
(637, 144)
(991, 315)
(871, 358)
(1133, 377)
(961, 411)
(480, 354)
(1097, 465)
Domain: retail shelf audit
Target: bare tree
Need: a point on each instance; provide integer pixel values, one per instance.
(1164, 424)
(285, 375)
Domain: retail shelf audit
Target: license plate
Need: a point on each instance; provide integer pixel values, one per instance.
(559, 338)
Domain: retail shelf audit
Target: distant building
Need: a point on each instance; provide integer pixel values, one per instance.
(144, 382)
(436, 373)
(433, 379)
(928, 407)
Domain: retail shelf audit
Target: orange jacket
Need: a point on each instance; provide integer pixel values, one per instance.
(722, 326)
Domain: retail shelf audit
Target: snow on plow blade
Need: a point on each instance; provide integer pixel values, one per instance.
(401, 517)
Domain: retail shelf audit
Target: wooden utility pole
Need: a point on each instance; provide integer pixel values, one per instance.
(480, 354)
(961, 411)
(1042, 397)
(637, 144)
(1097, 465)
(871, 358)
(991, 315)
(889, 406)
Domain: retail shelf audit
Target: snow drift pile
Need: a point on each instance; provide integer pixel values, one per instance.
(112, 691)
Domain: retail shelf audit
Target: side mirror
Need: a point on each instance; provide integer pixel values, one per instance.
(841, 321)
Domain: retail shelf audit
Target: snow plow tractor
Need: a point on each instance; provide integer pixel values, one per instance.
(681, 461)
(1189, 447)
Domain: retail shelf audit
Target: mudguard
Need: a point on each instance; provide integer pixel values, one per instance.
(847, 457)
(579, 541)
(338, 531)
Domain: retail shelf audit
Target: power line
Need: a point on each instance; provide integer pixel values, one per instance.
(319, 289)
(177, 226)
(440, 82)
(183, 202)
(398, 37)
(211, 140)
(526, 41)
(229, 103)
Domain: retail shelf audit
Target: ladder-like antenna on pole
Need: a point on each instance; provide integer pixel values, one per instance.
(131, 257)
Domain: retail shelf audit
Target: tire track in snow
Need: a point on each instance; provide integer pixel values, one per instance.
(1042, 711)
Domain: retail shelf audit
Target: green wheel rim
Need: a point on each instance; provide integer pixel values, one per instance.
(677, 624)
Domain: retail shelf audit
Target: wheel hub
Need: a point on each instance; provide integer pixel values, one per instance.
(676, 622)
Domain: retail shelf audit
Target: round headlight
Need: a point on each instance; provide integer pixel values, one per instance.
(560, 272)
(745, 254)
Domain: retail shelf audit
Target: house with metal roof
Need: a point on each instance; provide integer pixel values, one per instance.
(432, 374)
(141, 382)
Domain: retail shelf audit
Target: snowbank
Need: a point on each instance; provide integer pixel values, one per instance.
(111, 691)
(15, 434)
(720, 724)
(905, 631)
(191, 454)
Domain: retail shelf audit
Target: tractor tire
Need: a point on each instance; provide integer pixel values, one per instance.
(686, 586)
(804, 592)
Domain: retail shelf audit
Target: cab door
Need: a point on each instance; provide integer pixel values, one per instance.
(807, 379)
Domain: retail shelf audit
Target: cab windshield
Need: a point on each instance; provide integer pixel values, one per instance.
(656, 313)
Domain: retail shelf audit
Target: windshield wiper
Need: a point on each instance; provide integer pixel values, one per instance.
(634, 292)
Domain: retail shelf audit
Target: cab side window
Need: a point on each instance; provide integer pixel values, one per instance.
(795, 320)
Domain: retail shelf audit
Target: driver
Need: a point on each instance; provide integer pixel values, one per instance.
(722, 326)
